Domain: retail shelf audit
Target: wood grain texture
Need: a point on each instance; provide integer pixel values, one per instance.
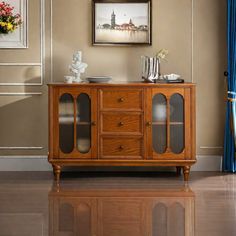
(117, 123)
(121, 147)
(121, 99)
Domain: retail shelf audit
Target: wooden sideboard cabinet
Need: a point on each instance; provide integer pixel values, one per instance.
(122, 124)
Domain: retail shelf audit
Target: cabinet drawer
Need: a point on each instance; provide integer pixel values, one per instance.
(121, 123)
(123, 99)
(127, 148)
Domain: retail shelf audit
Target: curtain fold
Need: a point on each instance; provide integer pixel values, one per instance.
(229, 160)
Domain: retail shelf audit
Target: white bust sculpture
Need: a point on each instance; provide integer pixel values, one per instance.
(77, 67)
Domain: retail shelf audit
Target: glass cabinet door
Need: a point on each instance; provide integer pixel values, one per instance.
(75, 124)
(83, 123)
(176, 123)
(159, 123)
(167, 124)
(66, 123)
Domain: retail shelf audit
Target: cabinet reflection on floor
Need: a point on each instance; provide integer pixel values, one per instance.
(136, 212)
(119, 204)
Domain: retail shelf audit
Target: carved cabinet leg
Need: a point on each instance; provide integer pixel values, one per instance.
(178, 170)
(57, 172)
(186, 172)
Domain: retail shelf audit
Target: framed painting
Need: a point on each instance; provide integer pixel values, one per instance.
(13, 23)
(122, 22)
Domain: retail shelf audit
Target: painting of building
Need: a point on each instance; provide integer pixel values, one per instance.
(122, 23)
(113, 20)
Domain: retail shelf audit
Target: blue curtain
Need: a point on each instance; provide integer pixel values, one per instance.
(229, 161)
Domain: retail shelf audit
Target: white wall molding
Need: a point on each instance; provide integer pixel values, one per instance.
(40, 163)
(211, 147)
(20, 94)
(42, 53)
(24, 163)
(21, 148)
(208, 163)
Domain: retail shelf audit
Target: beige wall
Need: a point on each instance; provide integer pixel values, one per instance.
(23, 120)
(210, 61)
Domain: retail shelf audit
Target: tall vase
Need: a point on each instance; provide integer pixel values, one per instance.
(150, 68)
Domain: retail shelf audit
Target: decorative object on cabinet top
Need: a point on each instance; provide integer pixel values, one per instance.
(151, 69)
(124, 84)
(76, 68)
(99, 79)
(151, 66)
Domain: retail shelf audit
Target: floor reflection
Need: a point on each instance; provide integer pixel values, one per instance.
(163, 211)
(117, 204)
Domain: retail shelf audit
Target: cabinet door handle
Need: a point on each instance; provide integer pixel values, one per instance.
(121, 147)
(93, 123)
(121, 100)
(149, 123)
(121, 123)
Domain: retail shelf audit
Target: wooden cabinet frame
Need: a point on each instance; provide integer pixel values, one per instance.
(54, 124)
(187, 152)
(123, 100)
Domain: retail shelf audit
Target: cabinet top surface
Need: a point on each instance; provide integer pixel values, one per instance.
(122, 83)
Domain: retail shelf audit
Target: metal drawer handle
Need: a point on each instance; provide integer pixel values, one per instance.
(121, 100)
(121, 147)
(121, 123)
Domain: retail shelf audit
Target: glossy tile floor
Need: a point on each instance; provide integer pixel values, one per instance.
(117, 204)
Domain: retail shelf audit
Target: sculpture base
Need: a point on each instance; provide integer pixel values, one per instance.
(77, 80)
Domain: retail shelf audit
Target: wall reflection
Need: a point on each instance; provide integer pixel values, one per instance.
(164, 211)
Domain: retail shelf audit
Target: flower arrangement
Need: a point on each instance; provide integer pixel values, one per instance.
(161, 55)
(151, 66)
(8, 20)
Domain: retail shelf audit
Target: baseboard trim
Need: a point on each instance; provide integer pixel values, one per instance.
(24, 163)
(208, 163)
(40, 163)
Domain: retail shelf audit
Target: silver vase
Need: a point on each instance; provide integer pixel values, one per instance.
(150, 68)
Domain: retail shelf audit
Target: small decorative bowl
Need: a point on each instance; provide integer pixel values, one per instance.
(98, 79)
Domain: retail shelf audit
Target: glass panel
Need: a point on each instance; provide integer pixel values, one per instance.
(176, 123)
(83, 123)
(66, 218)
(159, 220)
(159, 123)
(66, 123)
(84, 220)
(176, 222)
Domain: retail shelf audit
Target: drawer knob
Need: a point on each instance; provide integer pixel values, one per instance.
(93, 123)
(121, 147)
(121, 100)
(149, 123)
(121, 124)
